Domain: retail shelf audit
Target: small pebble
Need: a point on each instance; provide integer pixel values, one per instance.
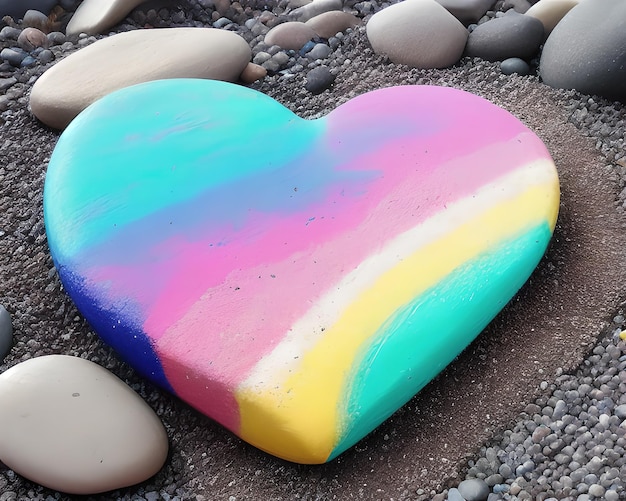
(252, 73)
(319, 79)
(9, 33)
(45, 56)
(455, 495)
(56, 38)
(514, 65)
(474, 489)
(28, 61)
(13, 56)
(319, 51)
(31, 38)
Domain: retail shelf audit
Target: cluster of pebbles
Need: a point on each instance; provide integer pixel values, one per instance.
(568, 444)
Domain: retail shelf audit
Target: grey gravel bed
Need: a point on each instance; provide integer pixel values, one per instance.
(560, 433)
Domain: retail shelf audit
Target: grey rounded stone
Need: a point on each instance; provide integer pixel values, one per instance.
(455, 495)
(594, 464)
(319, 79)
(559, 409)
(494, 479)
(6, 83)
(586, 51)
(319, 51)
(596, 490)
(540, 433)
(474, 489)
(6, 333)
(45, 56)
(13, 56)
(418, 33)
(56, 38)
(620, 411)
(505, 470)
(27, 61)
(512, 35)
(9, 33)
(611, 495)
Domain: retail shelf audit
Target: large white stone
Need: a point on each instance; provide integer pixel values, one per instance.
(134, 57)
(418, 33)
(72, 426)
(96, 16)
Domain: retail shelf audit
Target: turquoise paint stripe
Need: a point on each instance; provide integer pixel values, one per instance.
(427, 334)
(121, 145)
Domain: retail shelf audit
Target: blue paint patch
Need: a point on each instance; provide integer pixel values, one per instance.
(129, 340)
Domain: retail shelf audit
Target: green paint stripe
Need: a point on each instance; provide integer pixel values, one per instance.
(427, 334)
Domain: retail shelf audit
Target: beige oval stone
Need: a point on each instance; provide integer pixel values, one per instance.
(418, 33)
(550, 12)
(72, 426)
(135, 57)
(252, 73)
(290, 35)
(96, 16)
(328, 24)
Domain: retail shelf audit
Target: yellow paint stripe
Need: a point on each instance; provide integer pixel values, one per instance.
(297, 418)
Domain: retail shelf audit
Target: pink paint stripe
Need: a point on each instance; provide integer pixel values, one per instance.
(418, 193)
(243, 317)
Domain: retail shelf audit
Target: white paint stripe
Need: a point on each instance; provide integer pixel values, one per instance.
(285, 358)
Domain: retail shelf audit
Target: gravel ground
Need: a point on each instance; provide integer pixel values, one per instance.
(536, 406)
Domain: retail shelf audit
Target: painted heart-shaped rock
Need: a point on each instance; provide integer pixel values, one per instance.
(296, 280)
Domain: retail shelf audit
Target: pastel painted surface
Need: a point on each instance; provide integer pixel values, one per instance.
(298, 281)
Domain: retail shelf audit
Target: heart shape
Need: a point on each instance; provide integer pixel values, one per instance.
(296, 280)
